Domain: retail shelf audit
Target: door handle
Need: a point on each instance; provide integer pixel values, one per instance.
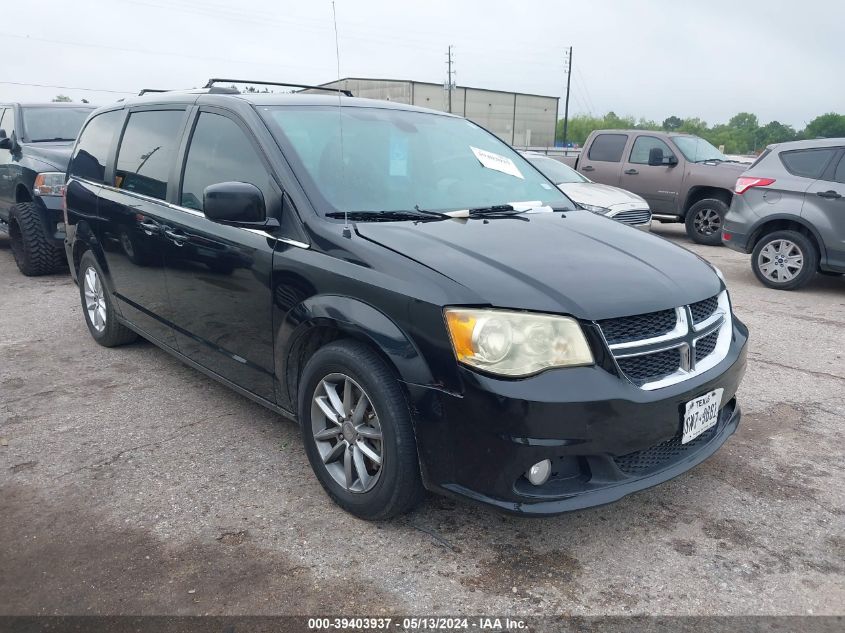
(176, 236)
(150, 227)
(830, 195)
(589, 168)
(631, 172)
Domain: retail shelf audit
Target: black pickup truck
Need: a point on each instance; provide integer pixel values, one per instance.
(35, 144)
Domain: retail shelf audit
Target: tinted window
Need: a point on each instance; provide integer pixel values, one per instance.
(146, 152)
(608, 147)
(53, 123)
(92, 152)
(839, 176)
(809, 163)
(643, 145)
(220, 152)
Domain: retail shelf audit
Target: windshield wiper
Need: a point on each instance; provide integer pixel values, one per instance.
(711, 160)
(47, 140)
(417, 215)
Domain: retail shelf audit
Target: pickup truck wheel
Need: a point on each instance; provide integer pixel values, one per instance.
(97, 306)
(784, 260)
(356, 426)
(34, 253)
(704, 221)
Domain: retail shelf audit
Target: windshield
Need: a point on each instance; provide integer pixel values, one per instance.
(53, 124)
(391, 160)
(697, 149)
(555, 170)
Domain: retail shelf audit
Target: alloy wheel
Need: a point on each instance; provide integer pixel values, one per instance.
(347, 433)
(780, 261)
(707, 222)
(95, 300)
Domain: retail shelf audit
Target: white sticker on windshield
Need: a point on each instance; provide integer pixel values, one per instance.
(497, 162)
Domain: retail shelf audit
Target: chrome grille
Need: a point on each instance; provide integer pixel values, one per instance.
(661, 348)
(633, 216)
(702, 310)
(639, 326)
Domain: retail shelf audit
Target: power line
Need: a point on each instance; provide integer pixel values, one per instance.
(584, 85)
(117, 92)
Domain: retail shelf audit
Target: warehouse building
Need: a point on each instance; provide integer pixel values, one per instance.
(523, 120)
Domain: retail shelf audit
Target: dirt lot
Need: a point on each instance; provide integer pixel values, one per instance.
(130, 483)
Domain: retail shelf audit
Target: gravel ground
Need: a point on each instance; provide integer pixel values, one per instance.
(131, 484)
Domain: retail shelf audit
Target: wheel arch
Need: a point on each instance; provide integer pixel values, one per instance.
(22, 194)
(321, 319)
(85, 240)
(703, 192)
(784, 222)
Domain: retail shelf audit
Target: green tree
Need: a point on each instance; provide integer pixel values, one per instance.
(776, 132)
(830, 125)
(672, 123)
(62, 99)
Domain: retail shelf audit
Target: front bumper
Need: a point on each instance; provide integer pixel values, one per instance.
(606, 438)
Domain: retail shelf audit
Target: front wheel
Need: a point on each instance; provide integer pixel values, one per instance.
(704, 221)
(32, 249)
(356, 427)
(785, 260)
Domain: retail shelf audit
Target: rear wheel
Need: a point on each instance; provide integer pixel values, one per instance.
(785, 260)
(356, 427)
(97, 306)
(34, 253)
(704, 221)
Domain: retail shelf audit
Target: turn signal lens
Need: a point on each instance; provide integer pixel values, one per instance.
(744, 183)
(516, 343)
(49, 183)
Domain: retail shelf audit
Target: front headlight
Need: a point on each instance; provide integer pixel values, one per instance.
(49, 183)
(595, 209)
(516, 343)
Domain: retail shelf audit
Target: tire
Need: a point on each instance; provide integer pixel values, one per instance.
(104, 326)
(776, 273)
(704, 221)
(34, 252)
(395, 486)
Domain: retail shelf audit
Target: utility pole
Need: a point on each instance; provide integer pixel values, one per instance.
(449, 82)
(566, 108)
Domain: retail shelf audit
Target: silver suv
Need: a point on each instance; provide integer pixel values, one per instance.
(788, 211)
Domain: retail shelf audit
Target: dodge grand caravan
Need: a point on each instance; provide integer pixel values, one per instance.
(431, 309)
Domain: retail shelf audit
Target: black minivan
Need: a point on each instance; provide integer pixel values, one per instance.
(430, 308)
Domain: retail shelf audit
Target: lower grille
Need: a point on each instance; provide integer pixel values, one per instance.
(652, 459)
(650, 367)
(633, 216)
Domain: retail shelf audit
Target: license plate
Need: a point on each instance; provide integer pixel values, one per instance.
(701, 413)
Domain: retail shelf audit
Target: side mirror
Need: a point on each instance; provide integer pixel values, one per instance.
(234, 203)
(5, 141)
(655, 156)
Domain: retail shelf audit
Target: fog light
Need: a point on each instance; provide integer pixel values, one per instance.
(539, 473)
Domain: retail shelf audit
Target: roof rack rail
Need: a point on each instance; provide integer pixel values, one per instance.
(211, 83)
(148, 90)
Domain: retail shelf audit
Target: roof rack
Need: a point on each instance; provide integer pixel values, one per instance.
(211, 83)
(148, 90)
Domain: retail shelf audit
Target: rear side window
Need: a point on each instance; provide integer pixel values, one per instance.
(809, 163)
(220, 152)
(643, 145)
(608, 147)
(145, 157)
(92, 151)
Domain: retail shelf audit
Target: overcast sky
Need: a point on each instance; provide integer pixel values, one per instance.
(711, 59)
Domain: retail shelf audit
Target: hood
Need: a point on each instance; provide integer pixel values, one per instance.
(716, 174)
(56, 155)
(581, 264)
(593, 193)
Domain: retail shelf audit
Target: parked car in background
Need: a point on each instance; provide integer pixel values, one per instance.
(35, 144)
(788, 211)
(682, 177)
(397, 296)
(613, 202)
